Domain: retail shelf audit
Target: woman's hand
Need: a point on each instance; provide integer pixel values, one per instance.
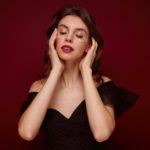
(88, 59)
(56, 62)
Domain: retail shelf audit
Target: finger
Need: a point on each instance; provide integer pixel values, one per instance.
(53, 35)
(92, 50)
(93, 47)
(52, 39)
(94, 44)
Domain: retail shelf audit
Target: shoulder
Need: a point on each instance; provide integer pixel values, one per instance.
(105, 79)
(36, 86)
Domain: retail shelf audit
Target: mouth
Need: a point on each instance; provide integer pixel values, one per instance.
(67, 48)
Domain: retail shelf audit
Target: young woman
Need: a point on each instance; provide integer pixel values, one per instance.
(73, 102)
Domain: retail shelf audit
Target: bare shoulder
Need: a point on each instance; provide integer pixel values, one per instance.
(106, 79)
(36, 86)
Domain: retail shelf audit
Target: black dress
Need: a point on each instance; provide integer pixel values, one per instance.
(74, 133)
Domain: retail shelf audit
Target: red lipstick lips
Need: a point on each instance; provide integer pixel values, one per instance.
(67, 48)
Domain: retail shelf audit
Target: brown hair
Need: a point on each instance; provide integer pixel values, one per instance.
(86, 17)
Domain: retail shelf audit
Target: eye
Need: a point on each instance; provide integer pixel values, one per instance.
(62, 32)
(79, 36)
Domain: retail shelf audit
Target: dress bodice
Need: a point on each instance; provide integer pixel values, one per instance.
(74, 133)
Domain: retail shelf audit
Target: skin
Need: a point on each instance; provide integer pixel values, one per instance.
(70, 34)
(70, 72)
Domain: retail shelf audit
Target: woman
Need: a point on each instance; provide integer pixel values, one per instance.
(73, 103)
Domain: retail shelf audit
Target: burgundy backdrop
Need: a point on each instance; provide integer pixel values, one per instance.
(124, 25)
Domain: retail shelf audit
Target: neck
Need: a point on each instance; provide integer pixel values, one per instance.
(71, 75)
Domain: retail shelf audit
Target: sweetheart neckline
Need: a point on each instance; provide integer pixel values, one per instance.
(62, 114)
(78, 106)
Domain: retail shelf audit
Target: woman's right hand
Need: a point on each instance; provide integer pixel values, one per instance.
(56, 62)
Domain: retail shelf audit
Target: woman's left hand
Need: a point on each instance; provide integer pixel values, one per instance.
(87, 60)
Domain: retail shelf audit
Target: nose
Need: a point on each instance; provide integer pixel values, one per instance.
(68, 40)
(69, 37)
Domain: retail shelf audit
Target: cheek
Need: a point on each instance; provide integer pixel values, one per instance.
(59, 41)
(83, 46)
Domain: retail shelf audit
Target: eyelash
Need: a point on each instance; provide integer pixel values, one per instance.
(78, 36)
(62, 33)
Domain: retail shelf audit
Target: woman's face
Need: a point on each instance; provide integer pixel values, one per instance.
(72, 38)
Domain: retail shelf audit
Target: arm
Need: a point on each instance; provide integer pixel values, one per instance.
(101, 117)
(31, 120)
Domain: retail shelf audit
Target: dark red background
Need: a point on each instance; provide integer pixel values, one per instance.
(124, 25)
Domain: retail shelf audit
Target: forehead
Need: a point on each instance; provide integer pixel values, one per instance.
(73, 22)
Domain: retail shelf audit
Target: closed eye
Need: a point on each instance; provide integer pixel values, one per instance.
(62, 33)
(79, 36)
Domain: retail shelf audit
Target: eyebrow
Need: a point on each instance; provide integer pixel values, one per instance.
(79, 29)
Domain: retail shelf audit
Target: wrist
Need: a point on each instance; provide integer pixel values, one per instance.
(86, 71)
(56, 72)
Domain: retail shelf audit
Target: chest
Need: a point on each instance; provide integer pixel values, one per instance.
(65, 101)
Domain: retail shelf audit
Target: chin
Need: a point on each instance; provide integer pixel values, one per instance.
(69, 56)
(65, 57)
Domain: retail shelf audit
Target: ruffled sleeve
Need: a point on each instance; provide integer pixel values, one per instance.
(27, 102)
(120, 98)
